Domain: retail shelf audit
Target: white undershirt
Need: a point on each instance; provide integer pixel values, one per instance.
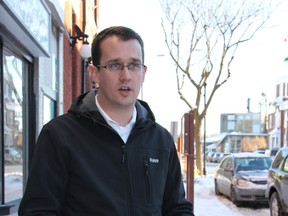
(122, 131)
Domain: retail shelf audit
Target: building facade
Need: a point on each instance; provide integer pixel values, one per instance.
(278, 112)
(241, 123)
(41, 74)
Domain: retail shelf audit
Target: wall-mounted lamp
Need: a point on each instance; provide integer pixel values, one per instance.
(85, 50)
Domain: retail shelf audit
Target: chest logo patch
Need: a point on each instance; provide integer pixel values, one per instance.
(154, 160)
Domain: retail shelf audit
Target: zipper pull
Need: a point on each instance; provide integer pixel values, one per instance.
(146, 165)
(124, 153)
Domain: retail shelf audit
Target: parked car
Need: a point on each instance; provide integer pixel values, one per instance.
(215, 157)
(260, 151)
(242, 177)
(277, 184)
(222, 155)
(209, 156)
(12, 156)
(271, 152)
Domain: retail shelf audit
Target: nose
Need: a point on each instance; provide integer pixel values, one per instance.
(125, 74)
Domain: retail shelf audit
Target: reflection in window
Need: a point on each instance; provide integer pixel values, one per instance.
(14, 69)
(49, 109)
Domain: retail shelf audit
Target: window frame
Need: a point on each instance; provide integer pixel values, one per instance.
(28, 109)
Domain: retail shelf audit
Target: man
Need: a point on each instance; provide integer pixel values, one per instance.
(107, 155)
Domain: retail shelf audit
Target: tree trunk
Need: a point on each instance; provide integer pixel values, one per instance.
(199, 146)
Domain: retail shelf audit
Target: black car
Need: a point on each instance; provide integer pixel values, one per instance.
(242, 177)
(277, 184)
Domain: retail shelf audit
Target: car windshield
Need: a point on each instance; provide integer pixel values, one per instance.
(253, 163)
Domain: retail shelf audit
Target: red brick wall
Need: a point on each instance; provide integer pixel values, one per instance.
(72, 59)
(73, 68)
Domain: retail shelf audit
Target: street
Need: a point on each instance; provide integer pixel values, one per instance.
(210, 168)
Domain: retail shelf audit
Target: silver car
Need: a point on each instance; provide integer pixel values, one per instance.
(242, 177)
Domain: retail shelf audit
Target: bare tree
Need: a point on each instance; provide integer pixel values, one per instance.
(202, 37)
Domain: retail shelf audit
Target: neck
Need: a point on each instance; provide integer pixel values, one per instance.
(120, 114)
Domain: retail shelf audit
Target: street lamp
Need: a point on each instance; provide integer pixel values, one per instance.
(85, 52)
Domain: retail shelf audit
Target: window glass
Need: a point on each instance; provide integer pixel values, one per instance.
(49, 109)
(285, 167)
(229, 164)
(231, 125)
(279, 158)
(224, 163)
(231, 117)
(13, 71)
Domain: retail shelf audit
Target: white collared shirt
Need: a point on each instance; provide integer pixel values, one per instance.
(122, 131)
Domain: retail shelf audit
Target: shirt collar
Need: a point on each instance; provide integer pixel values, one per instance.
(122, 131)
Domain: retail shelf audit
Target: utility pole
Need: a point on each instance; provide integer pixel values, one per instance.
(204, 145)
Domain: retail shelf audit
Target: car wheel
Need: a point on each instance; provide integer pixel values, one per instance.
(216, 188)
(275, 205)
(233, 197)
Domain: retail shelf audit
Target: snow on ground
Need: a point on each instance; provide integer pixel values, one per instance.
(206, 203)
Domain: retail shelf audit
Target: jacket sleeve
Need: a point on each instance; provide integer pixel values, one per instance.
(174, 202)
(47, 178)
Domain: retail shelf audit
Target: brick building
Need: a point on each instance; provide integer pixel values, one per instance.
(41, 74)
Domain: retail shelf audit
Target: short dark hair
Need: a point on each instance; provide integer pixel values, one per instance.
(124, 33)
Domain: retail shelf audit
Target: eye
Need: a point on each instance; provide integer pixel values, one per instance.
(134, 66)
(115, 66)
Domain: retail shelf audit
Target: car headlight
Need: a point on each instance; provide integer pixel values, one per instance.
(241, 182)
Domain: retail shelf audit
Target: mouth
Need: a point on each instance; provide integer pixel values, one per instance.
(124, 89)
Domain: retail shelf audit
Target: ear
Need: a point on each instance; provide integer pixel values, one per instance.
(93, 73)
(143, 74)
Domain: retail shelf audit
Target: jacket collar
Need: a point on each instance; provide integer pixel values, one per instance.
(84, 105)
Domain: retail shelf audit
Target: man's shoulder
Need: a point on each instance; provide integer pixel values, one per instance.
(63, 118)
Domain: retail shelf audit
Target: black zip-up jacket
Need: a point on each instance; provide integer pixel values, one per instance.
(82, 167)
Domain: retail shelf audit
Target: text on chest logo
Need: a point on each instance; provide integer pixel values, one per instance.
(154, 160)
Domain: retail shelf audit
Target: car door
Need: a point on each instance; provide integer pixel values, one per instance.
(219, 175)
(225, 176)
(284, 182)
(228, 174)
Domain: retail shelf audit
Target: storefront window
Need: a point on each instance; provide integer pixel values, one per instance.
(14, 70)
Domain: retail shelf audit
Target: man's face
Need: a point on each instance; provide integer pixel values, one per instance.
(119, 89)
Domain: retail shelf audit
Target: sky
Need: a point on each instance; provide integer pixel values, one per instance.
(258, 64)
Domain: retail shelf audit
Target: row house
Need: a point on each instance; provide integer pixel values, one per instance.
(277, 112)
(42, 71)
(269, 126)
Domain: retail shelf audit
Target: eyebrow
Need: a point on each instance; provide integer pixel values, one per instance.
(117, 60)
(113, 61)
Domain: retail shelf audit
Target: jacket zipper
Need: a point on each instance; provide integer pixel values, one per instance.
(127, 180)
(147, 179)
